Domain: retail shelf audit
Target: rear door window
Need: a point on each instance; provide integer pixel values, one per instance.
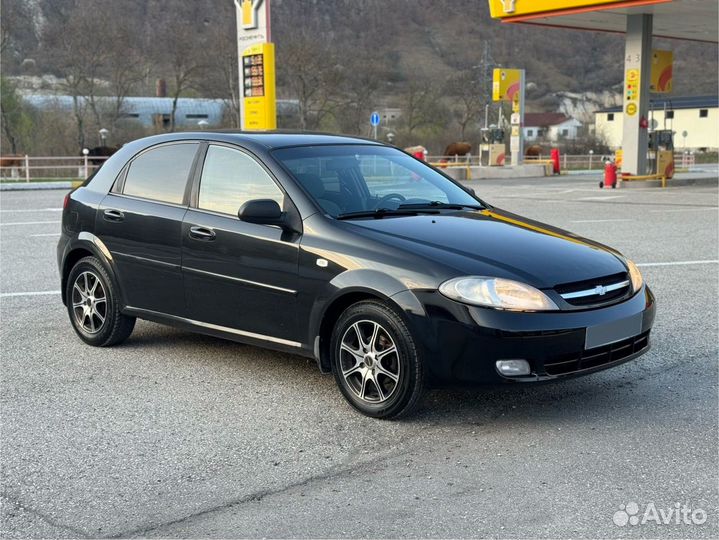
(161, 174)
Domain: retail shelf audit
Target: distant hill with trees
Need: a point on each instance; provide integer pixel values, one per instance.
(339, 58)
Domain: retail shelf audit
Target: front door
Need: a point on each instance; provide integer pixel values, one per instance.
(239, 276)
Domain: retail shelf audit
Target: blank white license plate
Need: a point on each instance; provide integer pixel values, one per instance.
(611, 332)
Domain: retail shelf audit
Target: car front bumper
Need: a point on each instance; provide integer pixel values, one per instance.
(463, 343)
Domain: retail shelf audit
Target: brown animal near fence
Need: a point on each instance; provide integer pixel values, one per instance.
(458, 149)
(11, 165)
(533, 151)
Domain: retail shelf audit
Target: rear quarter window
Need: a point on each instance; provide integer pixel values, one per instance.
(161, 174)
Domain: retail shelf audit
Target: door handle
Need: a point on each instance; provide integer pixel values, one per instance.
(113, 215)
(202, 233)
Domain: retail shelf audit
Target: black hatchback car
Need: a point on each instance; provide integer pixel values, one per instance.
(387, 272)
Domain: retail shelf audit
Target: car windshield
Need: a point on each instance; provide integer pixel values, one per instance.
(355, 180)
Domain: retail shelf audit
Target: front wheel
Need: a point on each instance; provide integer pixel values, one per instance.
(93, 305)
(375, 361)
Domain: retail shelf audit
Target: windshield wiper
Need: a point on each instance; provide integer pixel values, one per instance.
(379, 213)
(440, 206)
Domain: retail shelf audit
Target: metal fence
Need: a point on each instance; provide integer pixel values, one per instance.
(46, 168)
(34, 169)
(567, 162)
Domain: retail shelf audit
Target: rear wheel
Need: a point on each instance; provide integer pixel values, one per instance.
(93, 305)
(375, 361)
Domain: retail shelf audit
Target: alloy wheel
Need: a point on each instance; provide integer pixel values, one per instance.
(89, 302)
(369, 361)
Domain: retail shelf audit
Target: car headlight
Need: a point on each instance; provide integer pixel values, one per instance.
(497, 293)
(635, 275)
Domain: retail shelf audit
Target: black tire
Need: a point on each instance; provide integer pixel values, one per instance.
(601, 185)
(111, 326)
(405, 364)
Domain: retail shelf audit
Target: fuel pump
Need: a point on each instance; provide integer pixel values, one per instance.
(661, 152)
(494, 142)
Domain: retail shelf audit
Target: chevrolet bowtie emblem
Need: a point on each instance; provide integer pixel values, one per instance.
(600, 290)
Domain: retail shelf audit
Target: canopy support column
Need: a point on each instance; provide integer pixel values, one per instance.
(637, 73)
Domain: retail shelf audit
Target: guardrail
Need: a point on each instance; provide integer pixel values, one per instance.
(44, 168)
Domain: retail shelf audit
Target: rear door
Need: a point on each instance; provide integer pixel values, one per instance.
(238, 275)
(140, 222)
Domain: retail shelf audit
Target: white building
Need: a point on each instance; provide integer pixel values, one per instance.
(550, 126)
(694, 121)
(390, 115)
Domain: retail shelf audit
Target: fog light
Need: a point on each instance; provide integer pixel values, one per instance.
(513, 368)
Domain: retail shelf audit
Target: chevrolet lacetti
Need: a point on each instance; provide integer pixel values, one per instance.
(388, 273)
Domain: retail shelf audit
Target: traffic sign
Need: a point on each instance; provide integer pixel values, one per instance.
(374, 119)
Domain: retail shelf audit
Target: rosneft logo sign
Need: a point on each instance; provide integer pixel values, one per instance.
(250, 9)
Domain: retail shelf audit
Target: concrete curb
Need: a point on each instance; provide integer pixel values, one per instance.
(31, 186)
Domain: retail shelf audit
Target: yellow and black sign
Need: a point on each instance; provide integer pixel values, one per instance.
(631, 91)
(258, 65)
(662, 68)
(505, 84)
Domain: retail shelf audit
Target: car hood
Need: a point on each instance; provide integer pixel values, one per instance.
(497, 243)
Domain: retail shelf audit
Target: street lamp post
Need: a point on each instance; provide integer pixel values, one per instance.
(103, 135)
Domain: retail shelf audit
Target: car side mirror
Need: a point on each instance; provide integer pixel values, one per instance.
(268, 212)
(262, 212)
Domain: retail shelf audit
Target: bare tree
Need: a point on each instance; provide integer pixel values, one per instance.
(421, 107)
(363, 77)
(15, 121)
(79, 52)
(127, 66)
(221, 79)
(308, 71)
(469, 97)
(181, 45)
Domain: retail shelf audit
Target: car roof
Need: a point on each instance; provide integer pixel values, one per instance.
(266, 139)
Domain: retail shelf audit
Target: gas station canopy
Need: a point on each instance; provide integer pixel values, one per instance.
(639, 21)
(695, 20)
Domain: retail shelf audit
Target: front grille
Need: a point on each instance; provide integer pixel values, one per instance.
(599, 356)
(595, 291)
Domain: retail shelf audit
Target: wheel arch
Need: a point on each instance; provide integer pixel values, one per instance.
(404, 303)
(86, 245)
(330, 315)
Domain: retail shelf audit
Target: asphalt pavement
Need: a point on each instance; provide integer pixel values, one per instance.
(173, 434)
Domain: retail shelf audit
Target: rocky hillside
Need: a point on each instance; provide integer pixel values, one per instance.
(428, 38)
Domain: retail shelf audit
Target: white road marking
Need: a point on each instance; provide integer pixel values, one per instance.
(29, 223)
(712, 208)
(35, 210)
(29, 293)
(580, 190)
(47, 234)
(599, 220)
(679, 263)
(605, 198)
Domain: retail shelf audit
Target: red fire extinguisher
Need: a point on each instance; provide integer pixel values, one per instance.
(554, 156)
(610, 175)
